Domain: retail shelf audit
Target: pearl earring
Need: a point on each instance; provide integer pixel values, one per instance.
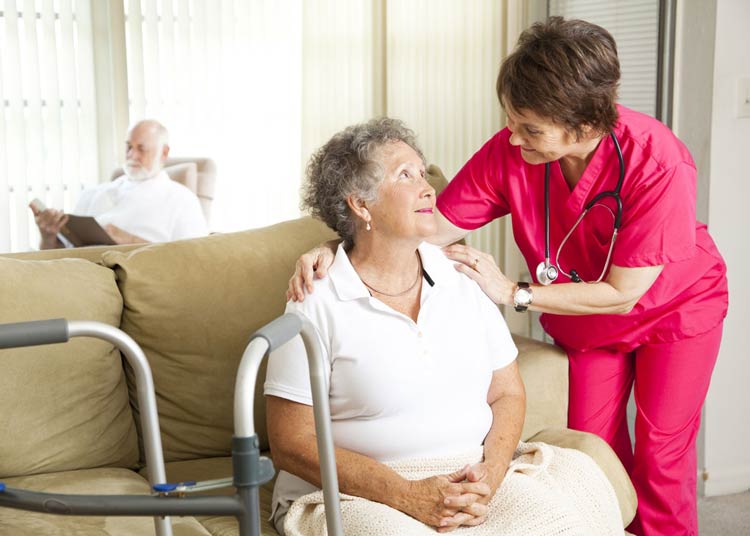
(368, 226)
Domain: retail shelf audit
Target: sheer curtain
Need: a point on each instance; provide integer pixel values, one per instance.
(225, 77)
(342, 44)
(48, 125)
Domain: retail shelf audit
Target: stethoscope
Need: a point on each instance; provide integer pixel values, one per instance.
(546, 272)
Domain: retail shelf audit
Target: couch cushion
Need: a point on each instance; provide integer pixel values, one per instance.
(64, 406)
(192, 306)
(97, 481)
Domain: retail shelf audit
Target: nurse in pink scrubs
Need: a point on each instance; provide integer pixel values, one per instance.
(602, 201)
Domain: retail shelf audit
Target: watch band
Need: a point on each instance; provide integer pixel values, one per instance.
(521, 307)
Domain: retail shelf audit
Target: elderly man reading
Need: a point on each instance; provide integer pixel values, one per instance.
(427, 403)
(143, 205)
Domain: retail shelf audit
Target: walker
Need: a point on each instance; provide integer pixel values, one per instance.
(250, 470)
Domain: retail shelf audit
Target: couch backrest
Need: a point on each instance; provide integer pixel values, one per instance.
(89, 253)
(544, 369)
(192, 306)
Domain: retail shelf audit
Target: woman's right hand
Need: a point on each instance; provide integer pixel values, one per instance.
(311, 265)
(49, 222)
(424, 500)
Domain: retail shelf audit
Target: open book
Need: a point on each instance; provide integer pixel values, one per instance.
(85, 231)
(81, 230)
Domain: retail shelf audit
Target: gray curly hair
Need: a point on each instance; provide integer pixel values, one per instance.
(349, 163)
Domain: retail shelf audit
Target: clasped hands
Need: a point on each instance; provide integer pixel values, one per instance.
(457, 499)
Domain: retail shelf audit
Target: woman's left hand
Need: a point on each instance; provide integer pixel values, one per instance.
(481, 267)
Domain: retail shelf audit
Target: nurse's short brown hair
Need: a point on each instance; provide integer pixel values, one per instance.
(566, 71)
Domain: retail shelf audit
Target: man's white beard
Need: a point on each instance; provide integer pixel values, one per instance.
(137, 172)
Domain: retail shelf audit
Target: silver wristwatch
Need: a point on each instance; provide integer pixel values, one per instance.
(522, 296)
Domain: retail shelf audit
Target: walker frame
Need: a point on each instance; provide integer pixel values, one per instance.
(250, 469)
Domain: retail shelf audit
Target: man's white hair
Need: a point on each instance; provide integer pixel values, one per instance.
(162, 134)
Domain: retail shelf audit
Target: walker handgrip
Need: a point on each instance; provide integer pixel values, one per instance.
(33, 333)
(280, 330)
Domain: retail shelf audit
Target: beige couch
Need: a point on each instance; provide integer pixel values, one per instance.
(67, 411)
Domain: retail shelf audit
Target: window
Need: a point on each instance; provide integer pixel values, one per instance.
(224, 76)
(256, 85)
(48, 124)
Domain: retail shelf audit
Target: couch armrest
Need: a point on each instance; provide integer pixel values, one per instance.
(604, 457)
(544, 369)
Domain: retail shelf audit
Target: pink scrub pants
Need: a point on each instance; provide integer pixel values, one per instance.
(671, 381)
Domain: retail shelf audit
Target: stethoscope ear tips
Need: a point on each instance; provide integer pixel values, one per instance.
(546, 273)
(575, 277)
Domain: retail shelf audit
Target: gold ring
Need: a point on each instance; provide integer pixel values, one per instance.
(474, 264)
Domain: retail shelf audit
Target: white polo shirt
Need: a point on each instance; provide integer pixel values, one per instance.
(157, 209)
(397, 389)
(393, 378)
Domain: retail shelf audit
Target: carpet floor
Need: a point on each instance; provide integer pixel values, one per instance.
(727, 515)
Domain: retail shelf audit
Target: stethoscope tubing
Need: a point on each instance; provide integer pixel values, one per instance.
(614, 194)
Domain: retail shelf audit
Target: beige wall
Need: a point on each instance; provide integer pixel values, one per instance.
(713, 45)
(727, 435)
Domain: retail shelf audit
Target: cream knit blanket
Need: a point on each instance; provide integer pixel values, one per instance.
(547, 490)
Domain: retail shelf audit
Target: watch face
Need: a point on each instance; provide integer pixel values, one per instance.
(523, 296)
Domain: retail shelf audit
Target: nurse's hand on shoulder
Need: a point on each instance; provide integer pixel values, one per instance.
(311, 265)
(481, 267)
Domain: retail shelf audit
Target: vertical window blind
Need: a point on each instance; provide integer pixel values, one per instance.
(48, 126)
(339, 53)
(635, 26)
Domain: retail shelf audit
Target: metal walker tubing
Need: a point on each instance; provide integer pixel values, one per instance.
(250, 470)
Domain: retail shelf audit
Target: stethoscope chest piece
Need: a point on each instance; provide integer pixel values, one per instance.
(546, 273)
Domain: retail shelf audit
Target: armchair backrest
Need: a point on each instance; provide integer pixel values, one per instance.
(197, 174)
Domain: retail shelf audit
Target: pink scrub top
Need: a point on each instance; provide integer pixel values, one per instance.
(659, 226)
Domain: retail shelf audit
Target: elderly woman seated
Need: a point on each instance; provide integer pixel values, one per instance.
(427, 403)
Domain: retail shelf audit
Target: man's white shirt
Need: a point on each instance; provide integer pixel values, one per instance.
(157, 209)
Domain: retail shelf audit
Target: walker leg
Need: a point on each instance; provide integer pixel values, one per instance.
(250, 522)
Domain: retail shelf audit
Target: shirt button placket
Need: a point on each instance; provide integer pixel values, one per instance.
(422, 343)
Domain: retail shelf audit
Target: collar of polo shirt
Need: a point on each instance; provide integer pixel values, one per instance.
(349, 286)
